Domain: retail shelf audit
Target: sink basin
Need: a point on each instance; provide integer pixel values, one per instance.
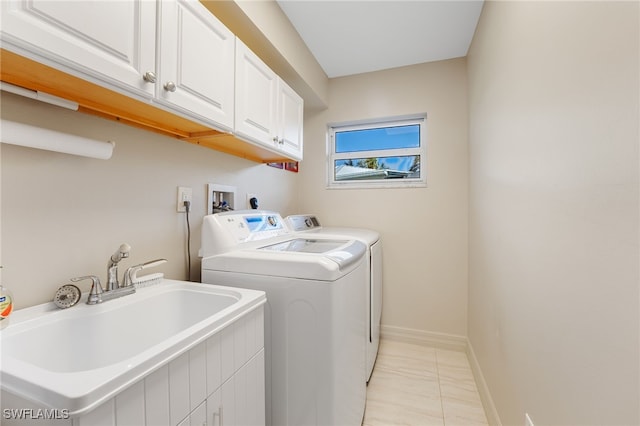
(79, 357)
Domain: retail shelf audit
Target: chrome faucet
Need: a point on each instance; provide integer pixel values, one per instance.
(97, 294)
(112, 266)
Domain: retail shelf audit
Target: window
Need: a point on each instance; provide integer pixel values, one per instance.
(384, 153)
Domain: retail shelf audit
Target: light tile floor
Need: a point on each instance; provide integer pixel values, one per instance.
(422, 386)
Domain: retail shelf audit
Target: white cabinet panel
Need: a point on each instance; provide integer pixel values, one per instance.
(290, 120)
(256, 390)
(156, 387)
(196, 54)
(130, 405)
(214, 409)
(242, 403)
(213, 364)
(228, 403)
(241, 399)
(256, 99)
(112, 42)
(197, 376)
(179, 405)
(104, 415)
(268, 111)
(221, 409)
(227, 355)
(240, 349)
(199, 416)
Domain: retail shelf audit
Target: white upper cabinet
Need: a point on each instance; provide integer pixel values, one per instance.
(290, 121)
(111, 42)
(256, 97)
(196, 54)
(174, 56)
(118, 44)
(268, 111)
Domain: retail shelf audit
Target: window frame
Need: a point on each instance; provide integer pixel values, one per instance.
(332, 156)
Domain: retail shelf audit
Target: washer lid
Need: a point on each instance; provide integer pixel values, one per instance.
(324, 260)
(310, 224)
(344, 253)
(305, 245)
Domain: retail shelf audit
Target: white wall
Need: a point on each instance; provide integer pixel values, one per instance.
(63, 216)
(554, 259)
(424, 229)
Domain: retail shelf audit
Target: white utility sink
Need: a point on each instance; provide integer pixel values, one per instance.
(79, 357)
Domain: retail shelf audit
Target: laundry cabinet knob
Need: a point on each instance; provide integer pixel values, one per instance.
(149, 77)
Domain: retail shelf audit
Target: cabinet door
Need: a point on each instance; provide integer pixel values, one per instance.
(290, 121)
(198, 416)
(221, 410)
(250, 392)
(196, 54)
(256, 90)
(109, 43)
(215, 412)
(241, 399)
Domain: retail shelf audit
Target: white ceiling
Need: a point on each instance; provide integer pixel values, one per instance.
(357, 36)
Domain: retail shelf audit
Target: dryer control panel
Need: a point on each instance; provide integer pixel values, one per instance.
(303, 222)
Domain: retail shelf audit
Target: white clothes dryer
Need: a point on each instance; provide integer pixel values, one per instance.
(310, 225)
(315, 356)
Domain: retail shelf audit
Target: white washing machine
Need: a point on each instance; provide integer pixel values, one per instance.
(310, 225)
(315, 355)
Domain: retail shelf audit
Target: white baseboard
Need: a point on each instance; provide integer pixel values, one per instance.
(451, 342)
(427, 338)
(483, 389)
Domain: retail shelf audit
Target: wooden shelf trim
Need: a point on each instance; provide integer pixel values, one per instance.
(100, 101)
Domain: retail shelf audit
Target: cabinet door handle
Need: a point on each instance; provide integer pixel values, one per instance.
(170, 86)
(149, 77)
(219, 414)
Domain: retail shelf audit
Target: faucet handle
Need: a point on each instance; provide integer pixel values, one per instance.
(130, 273)
(95, 294)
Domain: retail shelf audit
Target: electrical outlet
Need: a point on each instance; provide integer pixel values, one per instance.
(527, 420)
(184, 194)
